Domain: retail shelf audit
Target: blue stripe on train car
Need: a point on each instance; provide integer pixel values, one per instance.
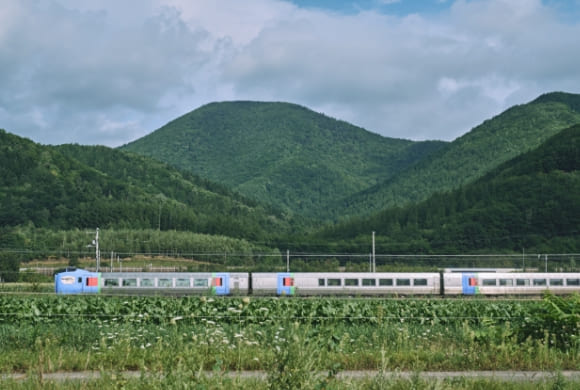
(78, 281)
(469, 284)
(220, 283)
(285, 284)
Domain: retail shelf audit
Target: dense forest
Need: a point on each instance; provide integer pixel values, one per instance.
(322, 168)
(51, 196)
(75, 186)
(497, 140)
(281, 154)
(532, 201)
(508, 186)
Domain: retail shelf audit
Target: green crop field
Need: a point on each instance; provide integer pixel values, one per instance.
(174, 342)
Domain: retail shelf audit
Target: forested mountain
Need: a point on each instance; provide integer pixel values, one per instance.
(73, 186)
(480, 192)
(469, 157)
(531, 201)
(280, 153)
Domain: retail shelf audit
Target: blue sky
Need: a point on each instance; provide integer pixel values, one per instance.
(108, 72)
(400, 7)
(567, 9)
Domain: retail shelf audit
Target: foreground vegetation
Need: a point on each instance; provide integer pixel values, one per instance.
(384, 381)
(291, 340)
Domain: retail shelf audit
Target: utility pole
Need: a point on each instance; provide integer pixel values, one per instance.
(287, 260)
(374, 258)
(97, 252)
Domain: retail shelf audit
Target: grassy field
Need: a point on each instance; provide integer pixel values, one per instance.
(174, 341)
(186, 380)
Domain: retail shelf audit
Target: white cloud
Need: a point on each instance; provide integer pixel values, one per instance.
(240, 21)
(110, 71)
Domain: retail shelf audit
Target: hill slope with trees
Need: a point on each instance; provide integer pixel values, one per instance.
(281, 153)
(504, 199)
(73, 186)
(531, 202)
(471, 156)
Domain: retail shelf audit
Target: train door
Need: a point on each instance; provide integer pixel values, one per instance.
(235, 284)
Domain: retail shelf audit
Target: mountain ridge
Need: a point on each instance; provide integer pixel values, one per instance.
(531, 201)
(313, 165)
(280, 153)
(73, 186)
(470, 156)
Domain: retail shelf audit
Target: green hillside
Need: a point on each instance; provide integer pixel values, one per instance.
(469, 157)
(281, 153)
(531, 201)
(510, 183)
(73, 186)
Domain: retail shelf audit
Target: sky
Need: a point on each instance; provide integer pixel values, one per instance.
(108, 72)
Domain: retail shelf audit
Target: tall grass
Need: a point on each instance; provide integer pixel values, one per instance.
(295, 343)
(277, 348)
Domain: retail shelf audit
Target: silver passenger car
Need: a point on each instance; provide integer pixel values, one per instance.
(175, 283)
(346, 283)
(507, 283)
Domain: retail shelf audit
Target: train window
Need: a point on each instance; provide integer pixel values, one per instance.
(573, 282)
(288, 282)
(556, 282)
(146, 283)
(200, 283)
(334, 282)
(385, 282)
(111, 282)
(92, 281)
(489, 282)
(321, 283)
(165, 283)
(67, 279)
(129, 282)
(369, 282)
(182, 283)
(80, 280)
(539, 282)
(403, 282)
(419, 282)
(506, 282)
(351, 282)
(522, 282)
(217, 282)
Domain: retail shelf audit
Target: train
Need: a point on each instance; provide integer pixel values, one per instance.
(80, 281)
